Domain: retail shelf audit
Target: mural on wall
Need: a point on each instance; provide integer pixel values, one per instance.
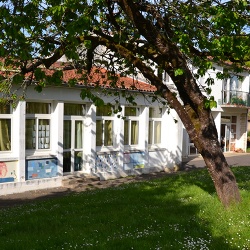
(107, 162)
(8, 171)
(133, 160)
(41, 168)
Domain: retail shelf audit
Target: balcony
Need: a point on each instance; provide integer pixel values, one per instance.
(235, 98)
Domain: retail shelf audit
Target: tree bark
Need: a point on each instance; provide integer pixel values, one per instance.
(209, 147)
(221, 174)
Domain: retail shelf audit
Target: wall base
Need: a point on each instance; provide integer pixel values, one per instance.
(19, 187)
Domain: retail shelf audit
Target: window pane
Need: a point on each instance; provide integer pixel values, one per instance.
(234, 119)
(74, 109)
(130, 111)
(155, 112)
(66, 162)
(37, 108)
(43, 134)
(78, 134)
(225, 119)
(4, 108)
(126, 132)
(98, 133)
(30, 134)
(157, 132)
(150, 132)
(108, 133)
(5, 134)
(78, 161)
(67, 134)
(134, 132)
(103, 110)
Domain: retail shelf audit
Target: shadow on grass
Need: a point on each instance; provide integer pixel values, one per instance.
(156, 214)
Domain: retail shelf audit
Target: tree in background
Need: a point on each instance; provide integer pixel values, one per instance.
(131, 37)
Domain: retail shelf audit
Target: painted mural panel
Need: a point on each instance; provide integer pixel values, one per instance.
(41, 168)
(134, 160)
(106, 162)
(8, 171)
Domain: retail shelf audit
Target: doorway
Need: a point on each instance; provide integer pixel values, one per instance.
(228, 133)
(73, 145)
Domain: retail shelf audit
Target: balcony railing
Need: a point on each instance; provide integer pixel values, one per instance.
(237, 98)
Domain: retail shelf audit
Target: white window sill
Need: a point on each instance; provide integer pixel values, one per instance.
(9, 157)
(39, 154)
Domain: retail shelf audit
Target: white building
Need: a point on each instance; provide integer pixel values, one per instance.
(55, 133)
(230, 115)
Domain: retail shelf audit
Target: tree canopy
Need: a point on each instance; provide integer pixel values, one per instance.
(131, 37)
(140, 33)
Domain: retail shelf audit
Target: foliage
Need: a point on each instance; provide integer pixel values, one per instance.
(139, 38)
(179, 211)
(133, 38)
(238, 101)
(138, 34)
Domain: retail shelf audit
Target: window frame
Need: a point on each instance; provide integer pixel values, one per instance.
(37, 117)
(154, 120)
(103, 119)
(8, 116)
(73, 119)
(130, 119)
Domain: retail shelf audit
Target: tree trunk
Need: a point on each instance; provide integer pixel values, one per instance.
(221, 174)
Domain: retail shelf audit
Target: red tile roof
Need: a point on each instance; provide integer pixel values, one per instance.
(97, 77)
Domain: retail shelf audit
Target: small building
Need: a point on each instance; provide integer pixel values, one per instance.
(230, 115)
(55, 133)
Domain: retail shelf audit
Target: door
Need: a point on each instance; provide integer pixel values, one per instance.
(72, 145)
(225, 137)
(228, 133)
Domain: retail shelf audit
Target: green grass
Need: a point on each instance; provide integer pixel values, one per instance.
(180, 211)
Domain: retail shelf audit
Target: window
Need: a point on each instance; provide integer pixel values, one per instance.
(131, 126)
(104, 126)
(73, 127)
(5, 127)
(154, 128)
(37, 132)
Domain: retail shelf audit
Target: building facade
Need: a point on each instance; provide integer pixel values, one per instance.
(231, 113)
(55, 133)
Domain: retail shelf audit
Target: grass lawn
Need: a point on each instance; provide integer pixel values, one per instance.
(180, 211)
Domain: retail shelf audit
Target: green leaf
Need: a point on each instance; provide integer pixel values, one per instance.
(178, 72)
(17, 79)
(38, 88)
(210, 103)
(39, 74)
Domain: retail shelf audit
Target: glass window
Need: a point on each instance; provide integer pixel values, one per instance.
(104, 126)
(154, 127)
(73, 135)
(74, 109)
(105, 110)
(66, 134)
(37, 133)
(99, 133)
(131, 126)
(78, 134)
(5, 127)
(5, 134)
(104, 133)
(5, 108)
(155, 112)
(131, 111)
(38, 108)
